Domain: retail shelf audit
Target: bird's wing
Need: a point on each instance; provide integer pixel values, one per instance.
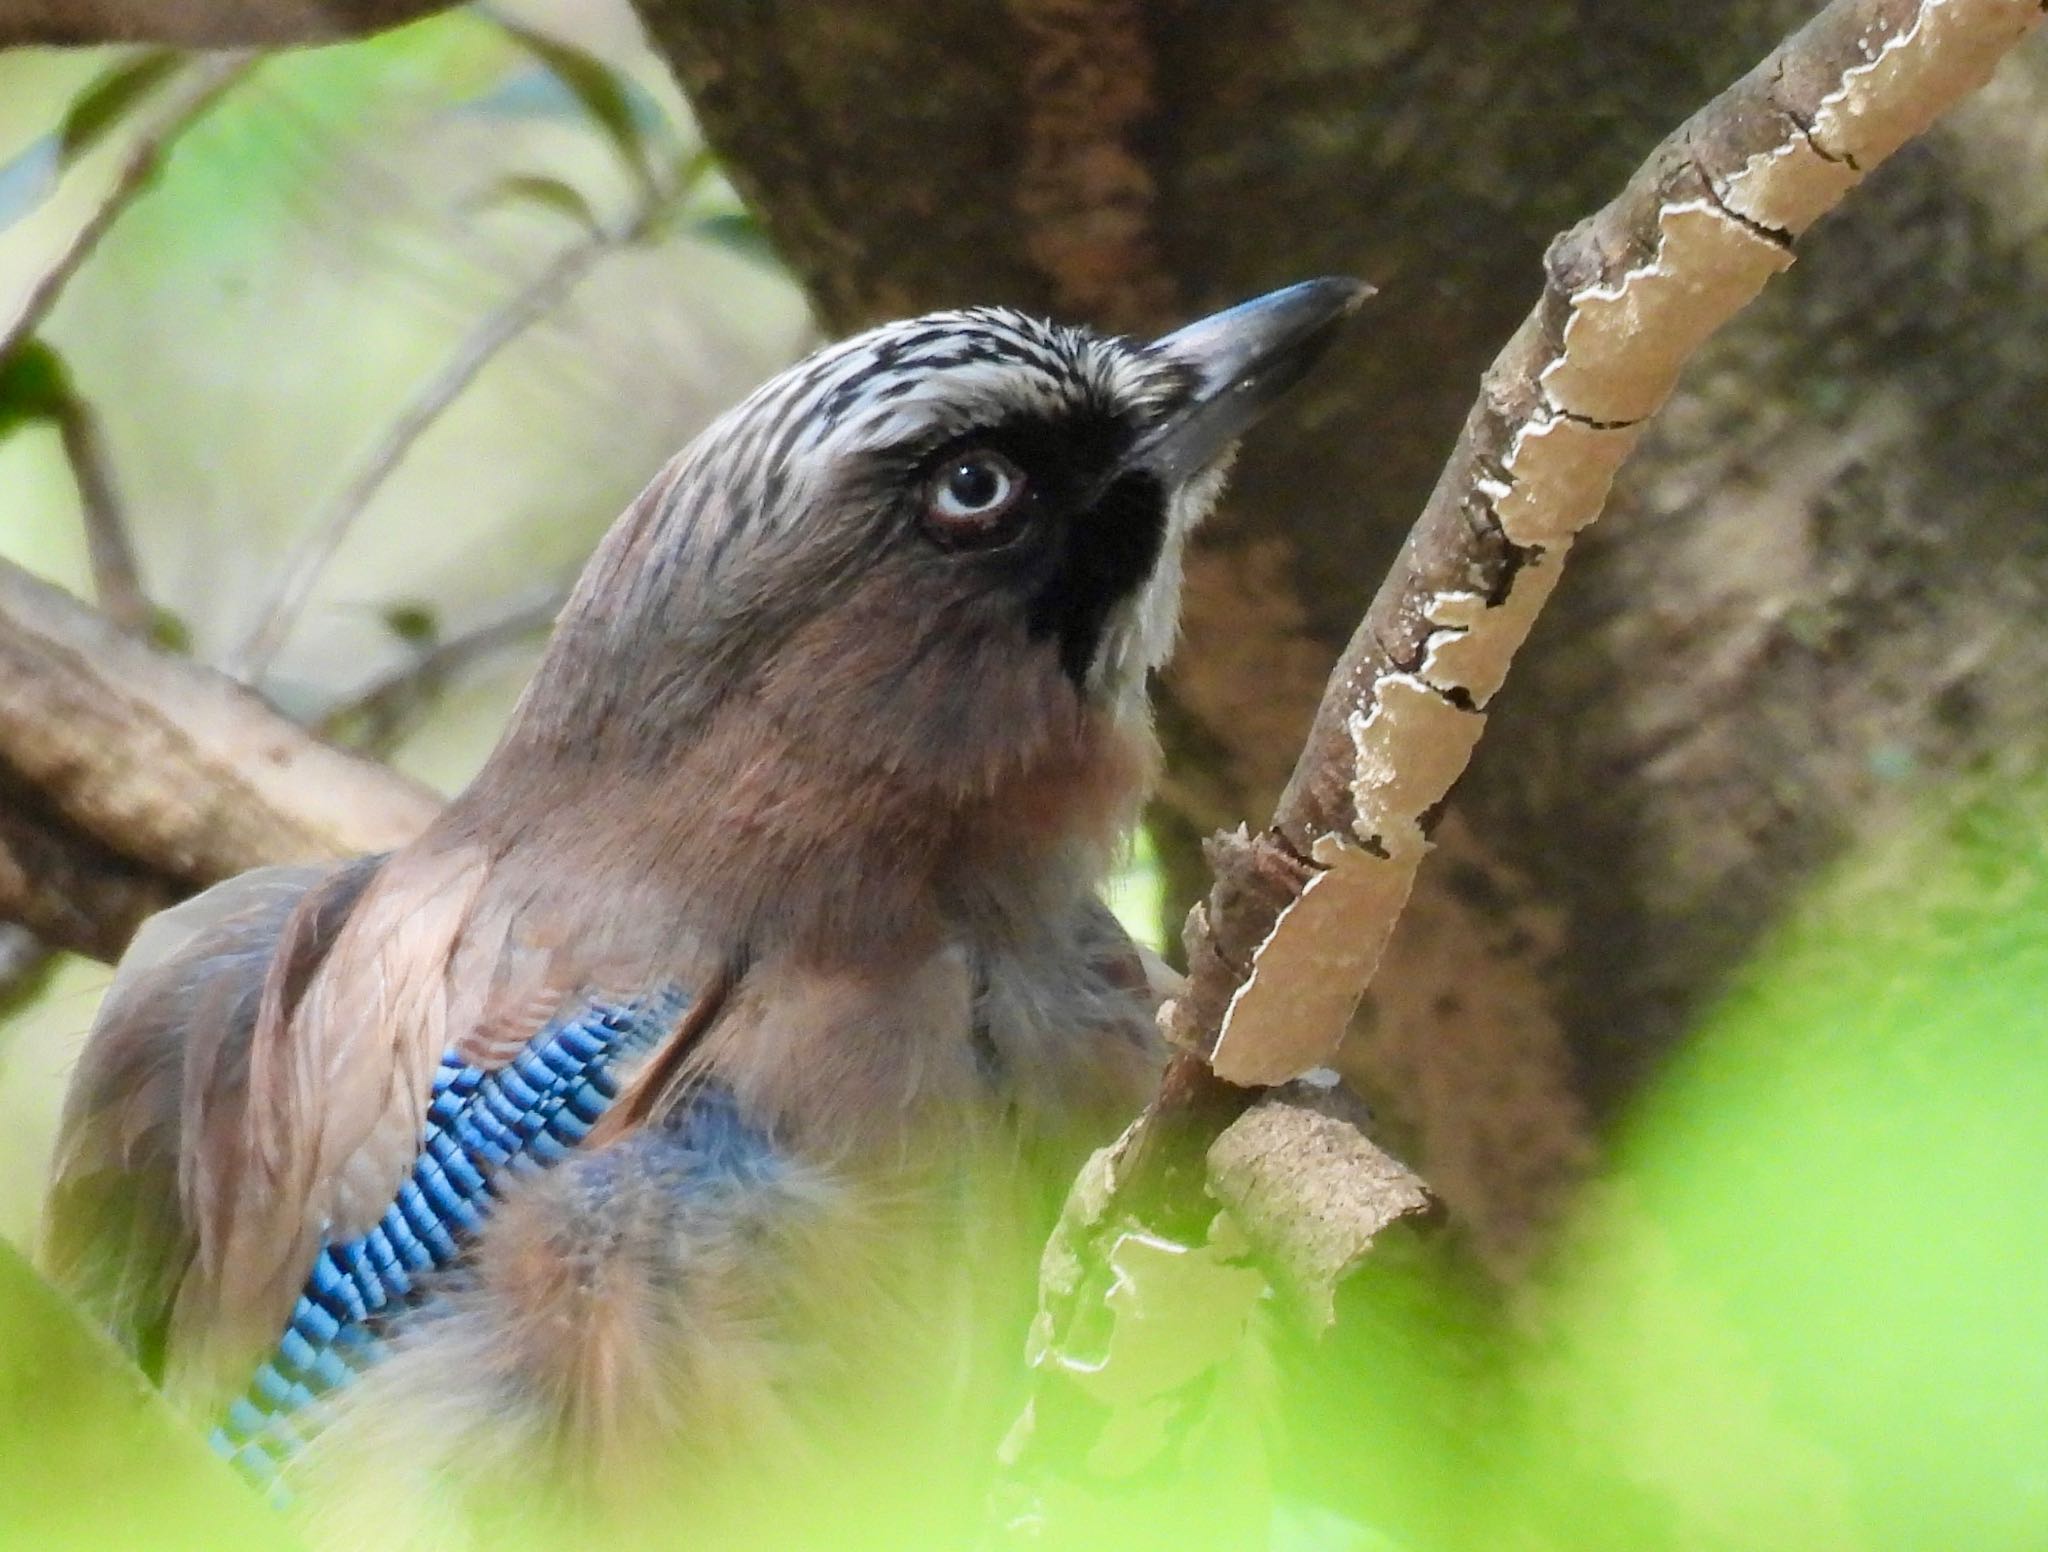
(483, 1126)
(180, 1014)
(442, 1037)
(285, 1063)
(307, 1135)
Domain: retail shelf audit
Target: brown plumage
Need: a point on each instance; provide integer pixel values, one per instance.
(833, 744)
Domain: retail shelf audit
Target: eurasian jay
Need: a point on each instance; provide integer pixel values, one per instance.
(683, 1068)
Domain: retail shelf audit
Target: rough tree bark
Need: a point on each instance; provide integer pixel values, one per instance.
(1825, 571)
(202, 23)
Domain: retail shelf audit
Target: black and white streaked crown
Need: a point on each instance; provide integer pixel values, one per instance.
(915, 384)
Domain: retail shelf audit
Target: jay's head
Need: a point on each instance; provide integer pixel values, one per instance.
(952, 540)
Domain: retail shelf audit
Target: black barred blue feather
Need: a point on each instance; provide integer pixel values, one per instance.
(483, 1125)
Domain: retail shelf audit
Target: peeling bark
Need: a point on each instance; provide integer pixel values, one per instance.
(1296, 923)
(1629, 296)
(1311, 1192)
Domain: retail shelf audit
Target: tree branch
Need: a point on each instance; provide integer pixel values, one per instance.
(202, 23)
(1294, 926)
(116, 579)
(383, 707)
(69, 890)
(25, 964)
(168, 764)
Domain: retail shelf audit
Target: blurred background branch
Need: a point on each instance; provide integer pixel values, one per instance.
(302, 568)
(25, 965)
(116, 579)
(192, 91)
(131, 786)
(659, 194)
(166, 769)
(202, 24)
(379, 714)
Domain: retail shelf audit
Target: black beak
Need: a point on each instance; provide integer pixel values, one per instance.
(1243, 359)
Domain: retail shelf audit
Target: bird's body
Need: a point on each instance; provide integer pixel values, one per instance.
(711, 1057)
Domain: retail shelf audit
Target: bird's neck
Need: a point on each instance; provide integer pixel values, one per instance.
(873, 925)
(775, 839)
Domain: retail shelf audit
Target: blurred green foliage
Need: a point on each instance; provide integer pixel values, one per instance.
(1805, 1304)
(91, 1460)
(33, 386)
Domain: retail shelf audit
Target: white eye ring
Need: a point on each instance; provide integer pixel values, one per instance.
(969, 494)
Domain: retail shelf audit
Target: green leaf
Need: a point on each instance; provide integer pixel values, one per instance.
(415, 624)
(34, 386)
(169, 631)
(738, 231)
(606, 95)
(562, 198)
(27, 178)
(90, 1454)
(108, 98)
(1808, 1306)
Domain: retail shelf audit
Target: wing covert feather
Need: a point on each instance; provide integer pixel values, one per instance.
(117, 1232)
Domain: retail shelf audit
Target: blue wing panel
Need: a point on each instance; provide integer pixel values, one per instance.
(482, 1126)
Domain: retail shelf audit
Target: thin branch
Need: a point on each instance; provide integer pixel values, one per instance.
(1291, 933)
(387, 705)
(117, 583)
(280, 612)
(190, 97)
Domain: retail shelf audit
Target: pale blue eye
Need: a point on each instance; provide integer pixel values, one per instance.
(973, 489)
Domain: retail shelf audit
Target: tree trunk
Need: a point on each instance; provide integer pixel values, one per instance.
(1820, 584)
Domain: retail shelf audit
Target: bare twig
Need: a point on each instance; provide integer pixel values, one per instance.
(117, 583)
(385, 706)
(301, 570)
(190, 96)
(168, 764)
(1292, 931)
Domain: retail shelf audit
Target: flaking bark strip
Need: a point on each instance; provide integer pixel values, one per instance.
(1629, 296)
(1311, 1192)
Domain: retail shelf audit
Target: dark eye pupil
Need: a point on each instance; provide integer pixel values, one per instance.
(973, 484)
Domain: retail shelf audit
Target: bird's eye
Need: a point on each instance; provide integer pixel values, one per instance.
(970, 496)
